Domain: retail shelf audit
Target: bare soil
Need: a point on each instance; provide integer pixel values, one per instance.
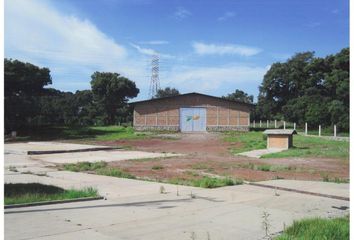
(208, 155)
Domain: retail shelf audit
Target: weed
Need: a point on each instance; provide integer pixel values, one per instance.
(200, 166)
(157, 167)
(266, 225)
(326, 178)
(162, 189)
(210, 182)
(114, 172)
(192, 173)
(265, 168)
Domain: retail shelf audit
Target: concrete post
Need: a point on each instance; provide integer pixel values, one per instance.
(335, 130)
(284, 123)
(267, 123)
(254, 123)
(275, 123)
(319, 130)
(260, 123)
(294, 126)
(305, 128)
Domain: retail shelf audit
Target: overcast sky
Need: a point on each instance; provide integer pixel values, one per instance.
(211, 47)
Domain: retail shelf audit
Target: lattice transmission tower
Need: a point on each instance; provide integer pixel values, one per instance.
(155, 80)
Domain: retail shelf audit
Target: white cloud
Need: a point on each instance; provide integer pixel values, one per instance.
(210, 79)
(146, 51)
(150, 52)
(154, 42)
(226, 16)
(224, 49)
(71, 47)
(181, 13)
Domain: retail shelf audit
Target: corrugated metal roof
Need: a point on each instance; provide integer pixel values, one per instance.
(193, 93)
(279, 132)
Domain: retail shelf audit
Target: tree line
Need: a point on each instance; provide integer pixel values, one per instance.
(305, 88)
(30, 103)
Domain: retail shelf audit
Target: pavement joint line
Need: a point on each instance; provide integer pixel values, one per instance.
(300, 191)
(21, 205)
(73, 150)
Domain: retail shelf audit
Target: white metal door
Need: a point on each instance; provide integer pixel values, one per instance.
(193, 119)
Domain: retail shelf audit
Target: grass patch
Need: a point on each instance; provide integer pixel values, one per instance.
(314, 147)
(35, 192)
(317, 228)
(114, 172)
(99, 168)
(206, 182)
(247, 141)
(267, 167)
(89, 133)
(84, 166)
(326, 178)
(303, 146)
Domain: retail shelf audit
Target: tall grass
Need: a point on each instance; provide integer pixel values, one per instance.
(336, 229)
(35, 192)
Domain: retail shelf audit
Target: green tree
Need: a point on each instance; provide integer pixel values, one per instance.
(167, 92)
(239, 95)
(111, 92)
(23, 84)
(307, 89)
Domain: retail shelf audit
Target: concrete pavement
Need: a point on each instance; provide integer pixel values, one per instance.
(137, 210)
(259, 152)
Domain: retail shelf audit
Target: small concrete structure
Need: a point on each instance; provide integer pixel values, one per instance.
(279, 138)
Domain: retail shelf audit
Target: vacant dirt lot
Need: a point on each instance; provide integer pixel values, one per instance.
(208, 155)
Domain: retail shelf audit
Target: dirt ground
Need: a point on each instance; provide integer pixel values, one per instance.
(208, 155)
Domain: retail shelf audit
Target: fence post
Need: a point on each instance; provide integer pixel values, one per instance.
(319, 130)
(260, 123)
(254, 123)
(284, 125)
(294, 126)
(267, 123)
(275, 123)
(305, 128)
(335, 130)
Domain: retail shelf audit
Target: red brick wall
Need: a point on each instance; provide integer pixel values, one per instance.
(165, 112)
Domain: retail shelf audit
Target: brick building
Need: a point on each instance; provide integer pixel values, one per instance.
(191, 112)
